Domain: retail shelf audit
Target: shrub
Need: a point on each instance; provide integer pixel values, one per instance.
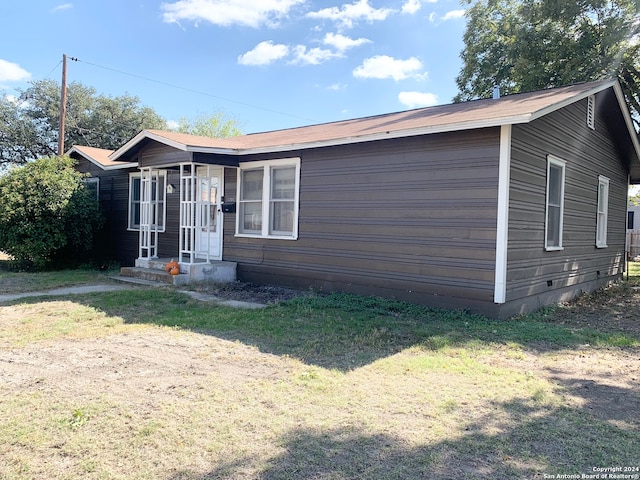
(48, 218)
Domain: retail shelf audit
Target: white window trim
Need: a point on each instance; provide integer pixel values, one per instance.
(555, 161)
(162, 173)
(267, 165)
(602, 242)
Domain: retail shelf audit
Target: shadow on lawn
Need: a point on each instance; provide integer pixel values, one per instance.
(341, 331)
(522, 440)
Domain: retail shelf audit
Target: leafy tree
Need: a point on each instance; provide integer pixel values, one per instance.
(214, 126)
(525, 45)
(29, 124)
(47, 216)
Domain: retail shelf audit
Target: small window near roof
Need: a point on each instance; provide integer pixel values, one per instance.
(591, 112)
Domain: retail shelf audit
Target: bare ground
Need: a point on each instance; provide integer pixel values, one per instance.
(149, 367)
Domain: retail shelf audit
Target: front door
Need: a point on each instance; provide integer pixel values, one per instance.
(208, 213)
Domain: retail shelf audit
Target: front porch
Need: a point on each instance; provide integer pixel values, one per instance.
(180, 218)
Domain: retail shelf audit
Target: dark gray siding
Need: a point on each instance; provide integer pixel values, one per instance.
(536, 277)
(116, 242)
(412, 218)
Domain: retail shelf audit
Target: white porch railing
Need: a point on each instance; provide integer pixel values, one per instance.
(197, 213)
(150, 191)
(187, 213)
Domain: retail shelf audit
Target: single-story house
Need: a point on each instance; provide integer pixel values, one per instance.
(498, 206)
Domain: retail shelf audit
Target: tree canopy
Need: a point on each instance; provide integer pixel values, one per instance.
(215, 125)
(526, 45)
(29, 123)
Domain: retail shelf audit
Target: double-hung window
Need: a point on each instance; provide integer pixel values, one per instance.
(555, 203)
(268, 199)
(158, 200)
(603, 212)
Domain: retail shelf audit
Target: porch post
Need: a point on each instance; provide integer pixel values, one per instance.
(187, 212)
(149, 194)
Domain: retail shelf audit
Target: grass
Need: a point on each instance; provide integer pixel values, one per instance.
(18, 282)
(153, 384)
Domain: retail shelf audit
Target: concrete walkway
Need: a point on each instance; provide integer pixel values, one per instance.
(82, 289)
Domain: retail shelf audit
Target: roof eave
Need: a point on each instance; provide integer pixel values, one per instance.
(624, 108)
(97, 163)
(412, 132)
(574, 98)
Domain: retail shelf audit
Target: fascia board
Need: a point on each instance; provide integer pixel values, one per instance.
(127, 146)
(624, 108)
(121, 167)
(139, 138)
(575, 98)
(454, 127)
(97, 163)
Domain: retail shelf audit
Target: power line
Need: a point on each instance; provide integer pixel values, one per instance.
(190, 90)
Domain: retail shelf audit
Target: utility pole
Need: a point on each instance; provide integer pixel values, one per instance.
(63, 106)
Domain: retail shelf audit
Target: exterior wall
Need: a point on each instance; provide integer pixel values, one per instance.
(116, 242)
(411, 218)
(536, 277)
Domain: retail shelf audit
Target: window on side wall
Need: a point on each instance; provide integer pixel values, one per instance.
(555, 203)
(603, 212)
(93, 185)
(268, 199)
(158, 201)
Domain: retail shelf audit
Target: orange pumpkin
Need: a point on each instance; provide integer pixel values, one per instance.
(171, 265)
(175, 270)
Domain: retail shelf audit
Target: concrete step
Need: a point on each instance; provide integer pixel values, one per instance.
(154, 275)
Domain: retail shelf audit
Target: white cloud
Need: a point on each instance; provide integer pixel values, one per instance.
(411, 6)
(342, 43)
(454, 14)
(383, 66)
(64, 6)
(267, 52)
(172, 125)
(417, 99)
(12, 72)
(264, 53)
(251, 13)
(312, 56)
(349, 14)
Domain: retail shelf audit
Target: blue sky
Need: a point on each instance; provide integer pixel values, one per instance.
(270, 64)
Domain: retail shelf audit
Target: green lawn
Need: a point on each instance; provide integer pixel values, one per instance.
(149, 383)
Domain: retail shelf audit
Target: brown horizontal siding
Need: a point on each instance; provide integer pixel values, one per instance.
(158, 155)
(532, 271)
(116, 242)
(412, 215)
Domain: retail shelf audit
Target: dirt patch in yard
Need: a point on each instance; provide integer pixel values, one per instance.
(250, 292)
(184, 405)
